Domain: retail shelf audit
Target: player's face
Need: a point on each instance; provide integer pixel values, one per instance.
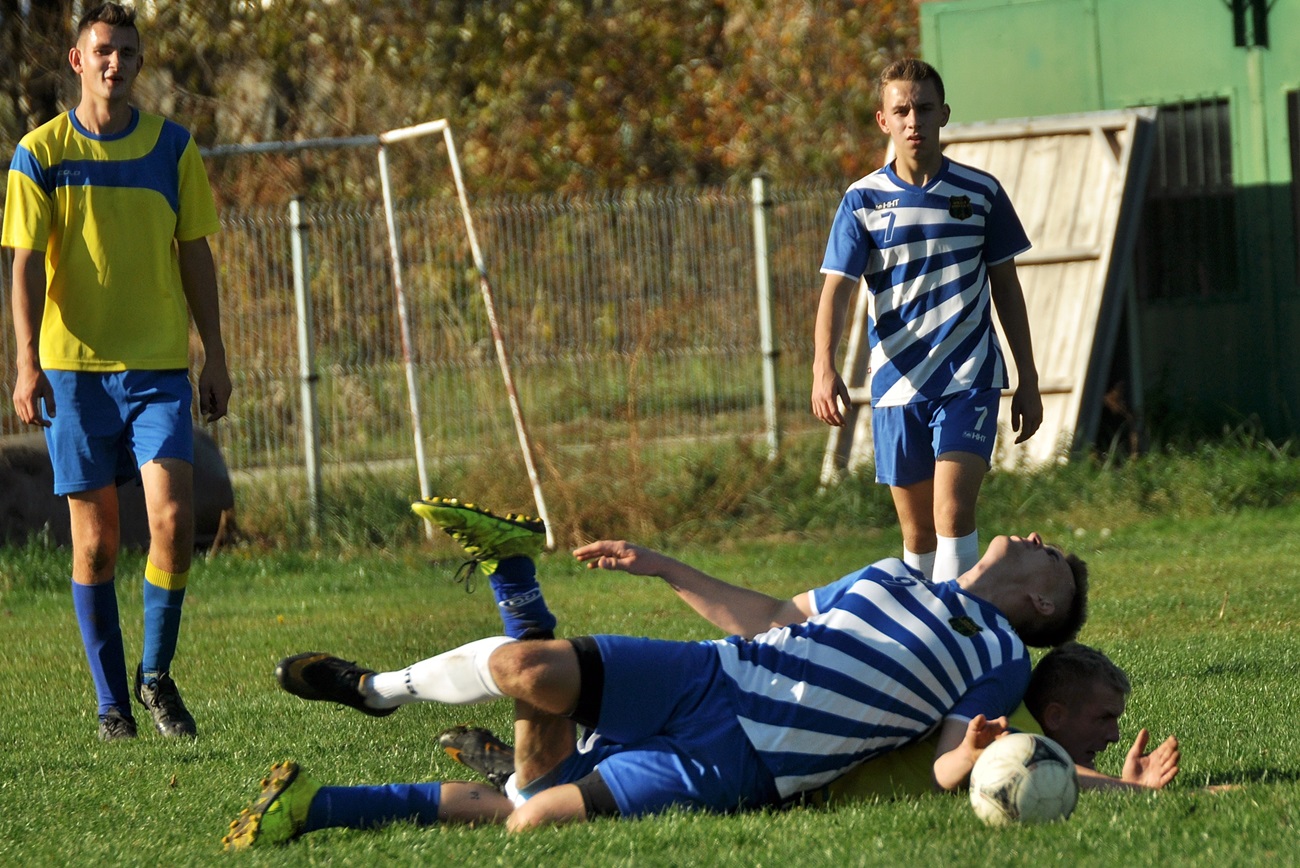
(1040, 566)
(911, 114)
(107, 60)
(1089, 723)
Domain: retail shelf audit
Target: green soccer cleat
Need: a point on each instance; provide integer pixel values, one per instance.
(278, 814)
(486, 537)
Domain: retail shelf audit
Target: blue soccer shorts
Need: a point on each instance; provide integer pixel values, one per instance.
(667, 735)
(908, 439)
(106, 425)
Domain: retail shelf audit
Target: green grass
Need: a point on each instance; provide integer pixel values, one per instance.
(1196, 595)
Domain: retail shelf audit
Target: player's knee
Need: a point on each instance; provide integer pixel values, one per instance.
(527, 664)
(522, 820)
(562, 804)
(954, 516)
(171, 520)
(98, 557)
(543, 673)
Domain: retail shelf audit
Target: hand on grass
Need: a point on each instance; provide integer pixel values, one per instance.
(1154, 769)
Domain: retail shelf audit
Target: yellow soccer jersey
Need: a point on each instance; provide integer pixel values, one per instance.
(907, 771)
(106, 211)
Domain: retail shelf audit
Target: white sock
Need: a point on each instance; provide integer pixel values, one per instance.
(956, 555)
(924, 563)
(460, 676)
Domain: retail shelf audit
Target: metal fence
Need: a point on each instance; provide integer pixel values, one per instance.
(629, 317)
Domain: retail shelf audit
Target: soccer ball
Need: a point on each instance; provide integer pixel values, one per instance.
(1023, 778)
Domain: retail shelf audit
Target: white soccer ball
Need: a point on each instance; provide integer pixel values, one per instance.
(1023, 778)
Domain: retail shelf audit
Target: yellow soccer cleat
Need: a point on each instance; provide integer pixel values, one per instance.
(485, 536)
(279, 813)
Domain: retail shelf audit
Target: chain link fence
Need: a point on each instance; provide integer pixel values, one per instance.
(628, 318)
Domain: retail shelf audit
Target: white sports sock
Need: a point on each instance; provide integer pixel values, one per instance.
(924, 562)
(956, 555)
(460, 676)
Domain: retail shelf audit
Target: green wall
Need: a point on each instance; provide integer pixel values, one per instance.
(1210, 362)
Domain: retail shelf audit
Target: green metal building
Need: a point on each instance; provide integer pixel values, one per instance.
(1215, 261)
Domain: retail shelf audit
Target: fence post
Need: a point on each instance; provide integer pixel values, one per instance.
(308, 377)
(762, 205)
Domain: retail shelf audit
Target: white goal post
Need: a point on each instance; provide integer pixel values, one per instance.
(382, 141)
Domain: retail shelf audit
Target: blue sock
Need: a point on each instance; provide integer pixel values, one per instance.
(162, 626)
(164, 593)
(372, 807)
(101, 635)
(519, 599)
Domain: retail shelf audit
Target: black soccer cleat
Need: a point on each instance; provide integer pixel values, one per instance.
(116, 726)
(481, 751)
(322, 677)
(170, 716)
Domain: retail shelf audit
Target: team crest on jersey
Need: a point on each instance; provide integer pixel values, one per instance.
(959, 207)
(965, 626)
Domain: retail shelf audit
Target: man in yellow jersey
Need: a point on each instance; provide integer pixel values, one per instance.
(1076, 697)
(107, 213)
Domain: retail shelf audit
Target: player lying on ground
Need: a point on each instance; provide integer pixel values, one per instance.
(804, 690)
(1076, 696)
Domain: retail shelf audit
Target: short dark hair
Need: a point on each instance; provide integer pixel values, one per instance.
(911, 69)
(112, 14)
(1063, 629)
(1061, 673)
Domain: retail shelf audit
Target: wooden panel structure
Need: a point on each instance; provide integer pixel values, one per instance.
(1077, 184)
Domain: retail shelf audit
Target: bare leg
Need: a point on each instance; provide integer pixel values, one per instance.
(543, 674)
(169, 499)
(542, 742)
(95, 535)
(546, 677)
(957, 480)
(915, 507)
(464, 802)
(562, 804)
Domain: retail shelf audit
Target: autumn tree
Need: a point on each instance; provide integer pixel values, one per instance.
(543, 95)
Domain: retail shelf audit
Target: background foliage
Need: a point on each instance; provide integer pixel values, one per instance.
(544, 95)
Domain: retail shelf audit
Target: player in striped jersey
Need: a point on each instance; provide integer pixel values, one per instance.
(934, 243)
(805, 690)
(1076, 697)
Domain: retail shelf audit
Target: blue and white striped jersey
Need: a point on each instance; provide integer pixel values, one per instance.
(924, 252)
(884, 660)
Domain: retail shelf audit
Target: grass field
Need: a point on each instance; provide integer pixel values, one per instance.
(1197, 598)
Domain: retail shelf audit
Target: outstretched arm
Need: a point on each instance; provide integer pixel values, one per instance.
(733, 609)
(1142, 771)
